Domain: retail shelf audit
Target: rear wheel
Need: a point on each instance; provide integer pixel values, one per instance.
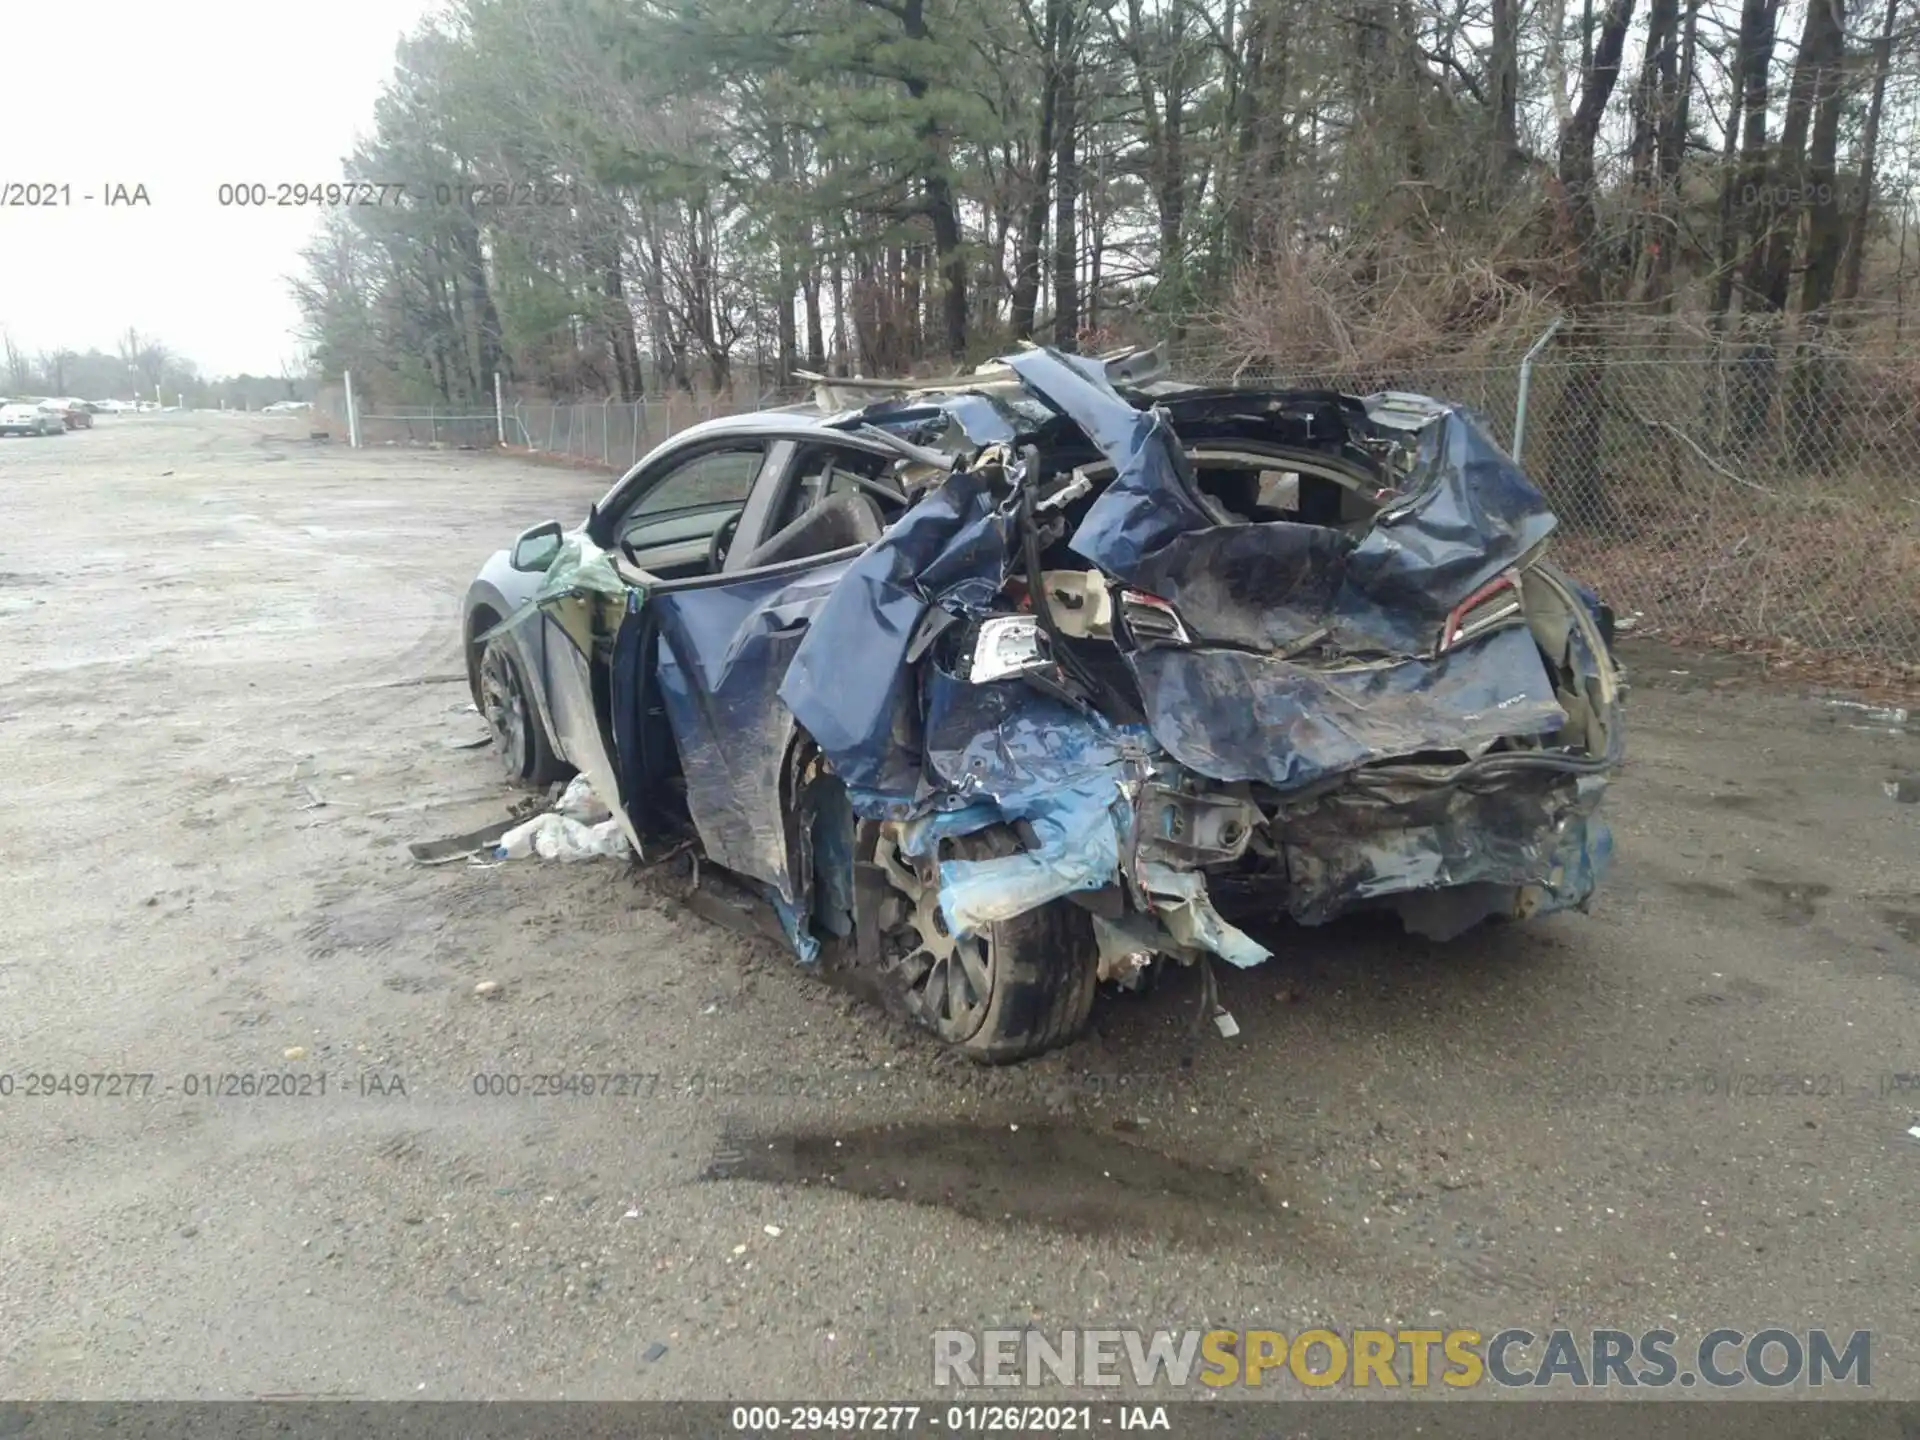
(520, 741)
(1020, 987)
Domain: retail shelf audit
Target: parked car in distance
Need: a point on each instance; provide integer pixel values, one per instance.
(74, 414)
(25, 418)
(285, 407)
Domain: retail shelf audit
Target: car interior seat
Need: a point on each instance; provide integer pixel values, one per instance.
(847, 518)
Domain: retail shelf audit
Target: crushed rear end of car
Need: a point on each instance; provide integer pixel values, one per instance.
(1209, 657)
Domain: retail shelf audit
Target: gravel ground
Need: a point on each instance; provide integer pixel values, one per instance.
(232, 699)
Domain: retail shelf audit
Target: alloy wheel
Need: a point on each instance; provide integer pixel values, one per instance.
(504, 704)
(948, 978)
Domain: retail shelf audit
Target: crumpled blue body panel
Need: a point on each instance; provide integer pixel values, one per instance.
(1356, 846)
(1472, 515)
(1235, 715)
(1007, 754)
(1147, 503)
(1469, 513)
(849, 684)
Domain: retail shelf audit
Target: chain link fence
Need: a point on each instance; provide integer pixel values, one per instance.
(612, 433)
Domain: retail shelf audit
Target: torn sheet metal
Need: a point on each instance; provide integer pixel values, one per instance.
(1180, 899)
(950, 549)
(1263, 587)
(1151, 498)
(1080, 828)
(1236, 715)
(1471, 515)
(1001, 739)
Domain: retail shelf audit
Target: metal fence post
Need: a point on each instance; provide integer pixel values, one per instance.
(353, 415)
(1526, 382)
(499, 413)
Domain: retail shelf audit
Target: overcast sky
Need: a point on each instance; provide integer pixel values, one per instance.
(179, 97)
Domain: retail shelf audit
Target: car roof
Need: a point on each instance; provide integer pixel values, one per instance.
(758, 422)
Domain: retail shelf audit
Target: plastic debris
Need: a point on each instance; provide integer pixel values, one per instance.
(488, 990)
(1225, 1024)
(554, 836)
(578, 802)
(1873, 717)
(773, 1230)
(654, 1352)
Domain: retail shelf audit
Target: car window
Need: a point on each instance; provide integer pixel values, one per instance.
(668, 528)
(823, 470)
(718, 477)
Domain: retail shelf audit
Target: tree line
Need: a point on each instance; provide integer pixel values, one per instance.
(624, 197)
(140, 367)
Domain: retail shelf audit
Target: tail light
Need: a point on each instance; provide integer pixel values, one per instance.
(1151, 621)
(1492, 605)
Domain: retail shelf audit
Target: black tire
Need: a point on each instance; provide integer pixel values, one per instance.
(520, 740)
(1045, 974)
(1041, 970)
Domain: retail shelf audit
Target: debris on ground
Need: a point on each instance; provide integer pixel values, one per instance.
(458, 847)
(1873, 717)
(554, 836)
(578, 802)
(488, 990)
(578, 826)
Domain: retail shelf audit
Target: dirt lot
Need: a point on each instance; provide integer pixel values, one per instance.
(232, 699)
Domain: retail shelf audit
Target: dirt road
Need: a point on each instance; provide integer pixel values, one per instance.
(230, 701)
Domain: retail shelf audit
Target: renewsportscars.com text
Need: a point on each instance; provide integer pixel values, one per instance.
(1511, 1358)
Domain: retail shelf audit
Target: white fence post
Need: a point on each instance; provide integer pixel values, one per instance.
(1526, 384)
(353, 415)
(499, 413)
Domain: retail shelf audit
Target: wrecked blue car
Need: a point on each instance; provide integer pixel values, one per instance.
(981, 692)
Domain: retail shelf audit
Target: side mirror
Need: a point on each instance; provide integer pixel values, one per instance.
(536, 548)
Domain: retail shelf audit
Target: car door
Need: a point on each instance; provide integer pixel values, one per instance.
(710, 654)
(666, 518)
